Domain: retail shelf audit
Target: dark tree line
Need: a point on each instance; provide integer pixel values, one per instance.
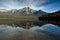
(51, 16)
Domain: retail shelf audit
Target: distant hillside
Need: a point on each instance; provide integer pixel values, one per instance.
(54, 16)
(3, 10)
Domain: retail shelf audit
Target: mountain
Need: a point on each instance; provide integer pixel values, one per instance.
(27, 11)
(11, 11)
(39, 12)
(31, 12)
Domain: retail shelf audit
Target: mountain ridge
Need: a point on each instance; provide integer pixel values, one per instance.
(26, 11)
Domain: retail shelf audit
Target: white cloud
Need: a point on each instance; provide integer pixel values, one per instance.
(22, 3)
(42, 7)
(50, 7)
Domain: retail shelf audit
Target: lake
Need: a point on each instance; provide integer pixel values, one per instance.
(30, 30)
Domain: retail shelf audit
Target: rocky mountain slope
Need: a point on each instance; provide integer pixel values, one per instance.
(25, 12)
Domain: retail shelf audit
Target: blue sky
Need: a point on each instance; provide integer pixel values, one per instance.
(45, 5)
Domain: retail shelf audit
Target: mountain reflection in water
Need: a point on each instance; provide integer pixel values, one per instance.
(24, 24)
(45, 32)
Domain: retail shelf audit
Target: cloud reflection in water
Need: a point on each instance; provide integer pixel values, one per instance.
(34, 33)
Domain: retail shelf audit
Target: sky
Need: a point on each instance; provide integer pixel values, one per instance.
(45, 5)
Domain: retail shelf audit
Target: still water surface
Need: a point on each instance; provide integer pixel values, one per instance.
(38, 31)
